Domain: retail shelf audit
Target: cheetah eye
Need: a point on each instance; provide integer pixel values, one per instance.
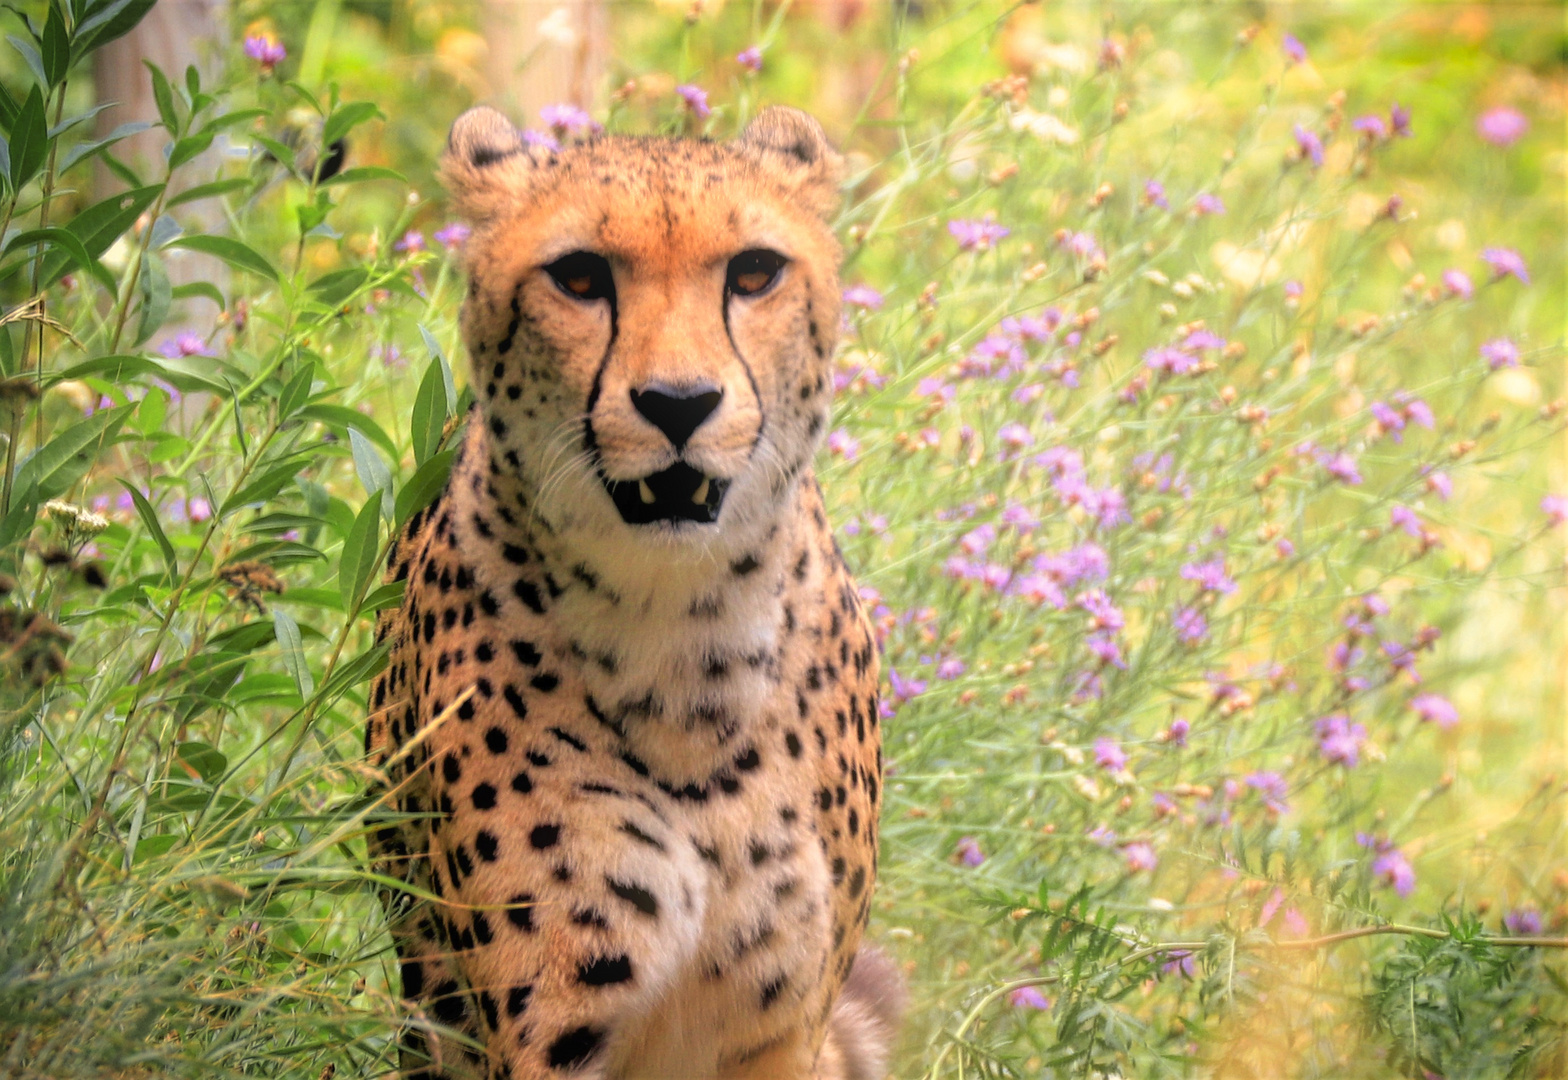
(584, 275)
(752, 272)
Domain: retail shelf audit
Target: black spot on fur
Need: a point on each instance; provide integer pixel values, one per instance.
(573, 1049)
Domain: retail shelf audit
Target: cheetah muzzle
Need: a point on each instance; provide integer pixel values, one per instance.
(628, 732)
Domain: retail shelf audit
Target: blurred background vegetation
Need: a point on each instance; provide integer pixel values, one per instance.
(243, 939)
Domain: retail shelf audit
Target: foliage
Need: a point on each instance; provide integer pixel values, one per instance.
(1193, 445)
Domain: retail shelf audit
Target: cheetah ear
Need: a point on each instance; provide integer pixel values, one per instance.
(481, 154)
(795, 140)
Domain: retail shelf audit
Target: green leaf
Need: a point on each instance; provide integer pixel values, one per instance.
(293, 648)
(30, 57)
(358, 560)
(334, 288)
(206, 760)
(208, 191)
(63, 460)
(189, 147)
(431, 409)
(281, 152)
(373, 472)
(426, 483)
(265, 486)
(99, 226)
(363, 173)
(149, 518)
(199, 288)
(64, 240)
(29, 140)
(8, 112)
(24, 511)
(346, 119)
(157, 294)
(229, 119)
(383, 597)
(163, 95)
(297, 392)
(84, 150)
(446, 369)
(56, 44)
(110, 368)
(345, 419)
(111, 21)
(238, 255)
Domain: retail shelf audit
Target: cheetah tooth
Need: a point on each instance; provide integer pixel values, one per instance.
(645, 491)
(700, 496)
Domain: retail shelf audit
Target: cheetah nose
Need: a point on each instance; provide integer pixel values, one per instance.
(677, 411)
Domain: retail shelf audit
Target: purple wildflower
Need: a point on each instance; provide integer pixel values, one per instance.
(1190, 625)
(863, 296)
(1081, 244)
(1273, 789)
(1294, 49)
(1208, 204)
(696, 100)
(1140, 857)
(1371, 126)
(1435, 709)
(1170, 360)
(750, 58)
(1440, 485)
(1308, 145)
(977, 541)
(904, 689)
(1340, 741)
(1210, 575)
(1154, 195)
(1458, 283)
(1395, 870)
(412, 242)
(1020, 518)
(1028, 997)
(1402, 517)
(1555, 507)
(1015, 436)
(1399, 121)
(1500, 353)
(969, 853)
(1106, 650)
(1506, 261)
(1523, 922)
(542, 139)
(949, 668)
(981, 235)
(453, 235)
(1177, 733)
(1102, 835)
(1293, 290)
(844, 444)
(1199, 340)
(566, 119)
(186, 344)
(266, 51)
(1108, 754)
(1502, 126)
(1340, 466)
(1106, 615)
(1182, 963)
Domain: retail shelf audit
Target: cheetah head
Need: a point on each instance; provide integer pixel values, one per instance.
(650, 323)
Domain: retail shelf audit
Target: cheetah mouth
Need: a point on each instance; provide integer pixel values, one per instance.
(679, 493)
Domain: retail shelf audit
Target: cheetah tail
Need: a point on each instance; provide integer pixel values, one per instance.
(866, 1016)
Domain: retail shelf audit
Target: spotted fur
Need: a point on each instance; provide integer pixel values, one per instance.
(637, 767)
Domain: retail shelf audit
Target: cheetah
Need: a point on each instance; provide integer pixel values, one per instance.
(629, 720)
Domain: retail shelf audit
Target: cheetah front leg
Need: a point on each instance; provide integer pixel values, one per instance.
(571, 916)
